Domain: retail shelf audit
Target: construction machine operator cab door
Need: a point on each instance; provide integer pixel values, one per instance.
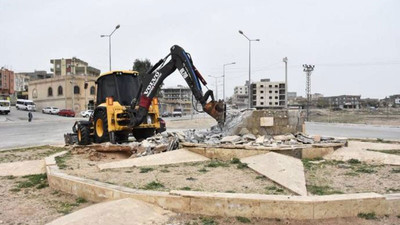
(123, 86)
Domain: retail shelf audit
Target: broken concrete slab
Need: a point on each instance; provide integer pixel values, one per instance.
(118, 212)
(347, 153)
(284, 170)
(171, 157)
(231, 139)
(22, 168)
(284, 137)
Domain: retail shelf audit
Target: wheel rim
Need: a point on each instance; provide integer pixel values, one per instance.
(99, 127)
(79, 135)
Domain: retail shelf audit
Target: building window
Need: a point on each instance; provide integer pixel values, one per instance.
(270, 86)
(60, 90)
(270, 97)
(276, 97)
(261, 103)
(276, 86)
(261, 86)
(261, 97)
(276, 91)
(270, 103)
(261, 92)
(270, 92)
(92, 90)
(50, 92)
(276, 103)
(76, 89)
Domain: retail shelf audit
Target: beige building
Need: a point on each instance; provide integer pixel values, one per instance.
(267, 94)
(173, 98)
(71, 87)
(240, 96)
(63, 92)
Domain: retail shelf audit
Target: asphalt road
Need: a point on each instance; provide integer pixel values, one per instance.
(16, 131)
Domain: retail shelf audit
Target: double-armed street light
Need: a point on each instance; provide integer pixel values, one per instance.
(109, 42)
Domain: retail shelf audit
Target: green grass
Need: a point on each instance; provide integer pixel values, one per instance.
(61, 160)
(186, 188)
(11, 177)
(354, 161)
(352, 174)
(367, 216)
(154, 185)
(80, 200)
(39, 181)
(365, 169)
(146, 169)
(208, 221)
(15, 189)
(217, 163)
(230, 191)
(322, 190)
(394, 170)
(235, 161)
(242, 165)
(260, 177)
(274, 189)
(164, 171)
(243, 219)
(392, 151)
(66, 208)
(203, 170)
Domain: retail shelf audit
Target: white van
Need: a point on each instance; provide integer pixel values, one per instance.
(4, 107)
(23, 104)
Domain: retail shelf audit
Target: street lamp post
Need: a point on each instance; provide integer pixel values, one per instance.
(249, 85)
(109, 42)
(226, 64)
(216, 85)
(285, 60)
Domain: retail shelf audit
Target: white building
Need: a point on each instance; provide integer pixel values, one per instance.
(240, 96)
(267, 94)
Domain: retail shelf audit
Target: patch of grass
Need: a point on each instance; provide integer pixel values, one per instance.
(243, 219)
(230, 191)
(203, 170)
(274, 189)
(164, 171)
(235, 161)
(38, 180)
(365, 169)
(260, 177)
(66, 208)
(11, 177)
(186, 188)
(217, 163)
(208, 221)
(322, 190)
(145, 169)
(242, 165)
(393, 190)
(61, 160)
(354, 161)
(153, 185)
(80, 200)
(394, 170)
(306, 163)
(352, 174)
(379, 140)
(392, 151)
(367, 216)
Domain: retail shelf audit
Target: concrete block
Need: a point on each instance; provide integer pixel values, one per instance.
(315, 152)
(267, 121)
(22, 168)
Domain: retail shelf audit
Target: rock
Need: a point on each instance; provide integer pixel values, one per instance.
(317, 138)
(147, 144)
(231, 139)
(217, 136)
(284, 137)
(160, 148)
(260, 140)
(199, 136)
(181, 136)
(173, 143)
(249, 137)
(165, 134)
(303, 138)
(244, 131)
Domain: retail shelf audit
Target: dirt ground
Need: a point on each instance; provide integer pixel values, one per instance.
(185, 219)
(29, 200)
(382, 116)
(214, 176)
(25, 154)
(335, 177)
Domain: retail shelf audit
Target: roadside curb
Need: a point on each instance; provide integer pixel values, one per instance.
(229, 204)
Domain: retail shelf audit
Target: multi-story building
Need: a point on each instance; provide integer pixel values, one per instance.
(6, 82)
(392, 100)
(179, 97)
(21, 81)
(343, 101)
(71, 87)
(36, 75)
(268, 94)
(74, 65)
(240, 96)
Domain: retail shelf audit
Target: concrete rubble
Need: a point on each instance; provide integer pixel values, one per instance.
(167, 141)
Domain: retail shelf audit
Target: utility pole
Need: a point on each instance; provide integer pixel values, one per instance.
(285, 60)
(223, 75)
(308, 69)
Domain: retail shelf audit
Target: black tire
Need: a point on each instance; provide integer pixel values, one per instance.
(100, 121)
(143, 133)
(83, 135)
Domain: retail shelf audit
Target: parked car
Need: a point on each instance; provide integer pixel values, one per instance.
(66, 112)
(177, 112)
(86, 113)
(165, 114)
(51, 110)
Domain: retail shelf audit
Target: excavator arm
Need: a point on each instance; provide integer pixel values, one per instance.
(181, 60)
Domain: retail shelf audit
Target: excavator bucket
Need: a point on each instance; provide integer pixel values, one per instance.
(216, 110)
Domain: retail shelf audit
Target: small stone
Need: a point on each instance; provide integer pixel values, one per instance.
(284, 137)
(249, 137)
(244, 131)
(231, 139)
(317, 138)
(260, 139)
(147, 144)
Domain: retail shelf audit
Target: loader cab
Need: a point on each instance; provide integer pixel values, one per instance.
(123, 86)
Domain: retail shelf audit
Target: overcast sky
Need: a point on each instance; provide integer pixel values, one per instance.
(354, 45)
